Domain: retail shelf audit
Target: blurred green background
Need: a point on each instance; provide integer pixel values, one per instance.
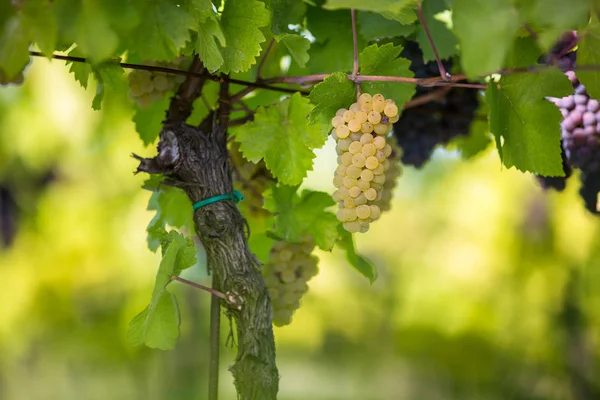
(488, 288)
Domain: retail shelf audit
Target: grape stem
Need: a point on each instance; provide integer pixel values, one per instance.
(443, 74)
(355, 46)
(263, 59)
(426, 98)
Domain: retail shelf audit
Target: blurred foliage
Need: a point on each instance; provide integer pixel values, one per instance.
(488, 288)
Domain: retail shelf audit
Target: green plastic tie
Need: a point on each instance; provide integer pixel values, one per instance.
(234, 196)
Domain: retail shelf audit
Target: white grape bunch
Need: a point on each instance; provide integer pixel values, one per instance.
(363, 153)
(391, 176)
(289, 268)
(147, 87)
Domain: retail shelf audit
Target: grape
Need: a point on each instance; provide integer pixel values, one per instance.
(391, 175)
(289, 268)
(147, 87)
(362, 159)
(420, 129)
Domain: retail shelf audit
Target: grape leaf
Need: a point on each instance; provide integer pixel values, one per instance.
(333, 48)
(148, 121)
(446, 43)
(528, 124)
(94, 35)
(281, 135)
(109, 72)
(588, 53)
(81, 71)
(405, 16)
(14, 47)
(553, 17)
(206, 44)
(478, 138)
(375, 26)
(163, 31)
(297, 215)
(172, 206)
(360, 263)
(157, 326)
(241, 22)
(39, 18)
(200, 10)
(297, 46)
(383, 60)
(485, 30)
(285, 13)
(335, 92)
(378, 6)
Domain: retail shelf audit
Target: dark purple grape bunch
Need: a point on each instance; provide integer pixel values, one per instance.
(420, 129)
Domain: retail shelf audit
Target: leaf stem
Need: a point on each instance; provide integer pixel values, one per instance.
(215, 332)
(445, 76)
(201, 287)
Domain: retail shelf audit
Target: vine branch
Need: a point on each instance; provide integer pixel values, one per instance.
(443, 74)
(355, 47)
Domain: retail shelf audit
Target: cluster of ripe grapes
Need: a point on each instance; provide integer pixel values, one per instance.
(420, 129)
(362, 147)
(147, 87)
(580, 129)
(289, 268)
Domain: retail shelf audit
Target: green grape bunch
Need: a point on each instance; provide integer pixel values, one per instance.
(147, 87)
(363, 151)
(391, 176)
(287, 272)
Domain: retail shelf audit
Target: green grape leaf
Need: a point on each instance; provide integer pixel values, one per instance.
(485, 30)
(206, 44)
(362, 264)
(335, 92)
(281, 135)
(405, 16)
(297, 46)
(528, 125)
(241, 22)
(164, 30)
(148, 121)
(333, 48)
(172, 206)
(157, 328)
(14, 47)
(110, 73)
(378, 6)
(375, 26)
(81, 71)
(384, 60)
(285, 13)
(98, 97)
(39, 18)
(477, 140)
(94, 35)
(553, 17)
(588, 53)
(158, 325)
(446, 43)
(200, 10)
(297, 215)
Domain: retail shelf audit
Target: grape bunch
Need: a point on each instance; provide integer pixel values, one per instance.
(363, 152)
(289, 268)
(580, 128)
(420, 129)
(391, 176)
(147, 87)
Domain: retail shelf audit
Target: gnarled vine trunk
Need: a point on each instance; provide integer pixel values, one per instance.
(196, 159)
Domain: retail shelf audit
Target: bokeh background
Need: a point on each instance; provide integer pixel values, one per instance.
(488, 288)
